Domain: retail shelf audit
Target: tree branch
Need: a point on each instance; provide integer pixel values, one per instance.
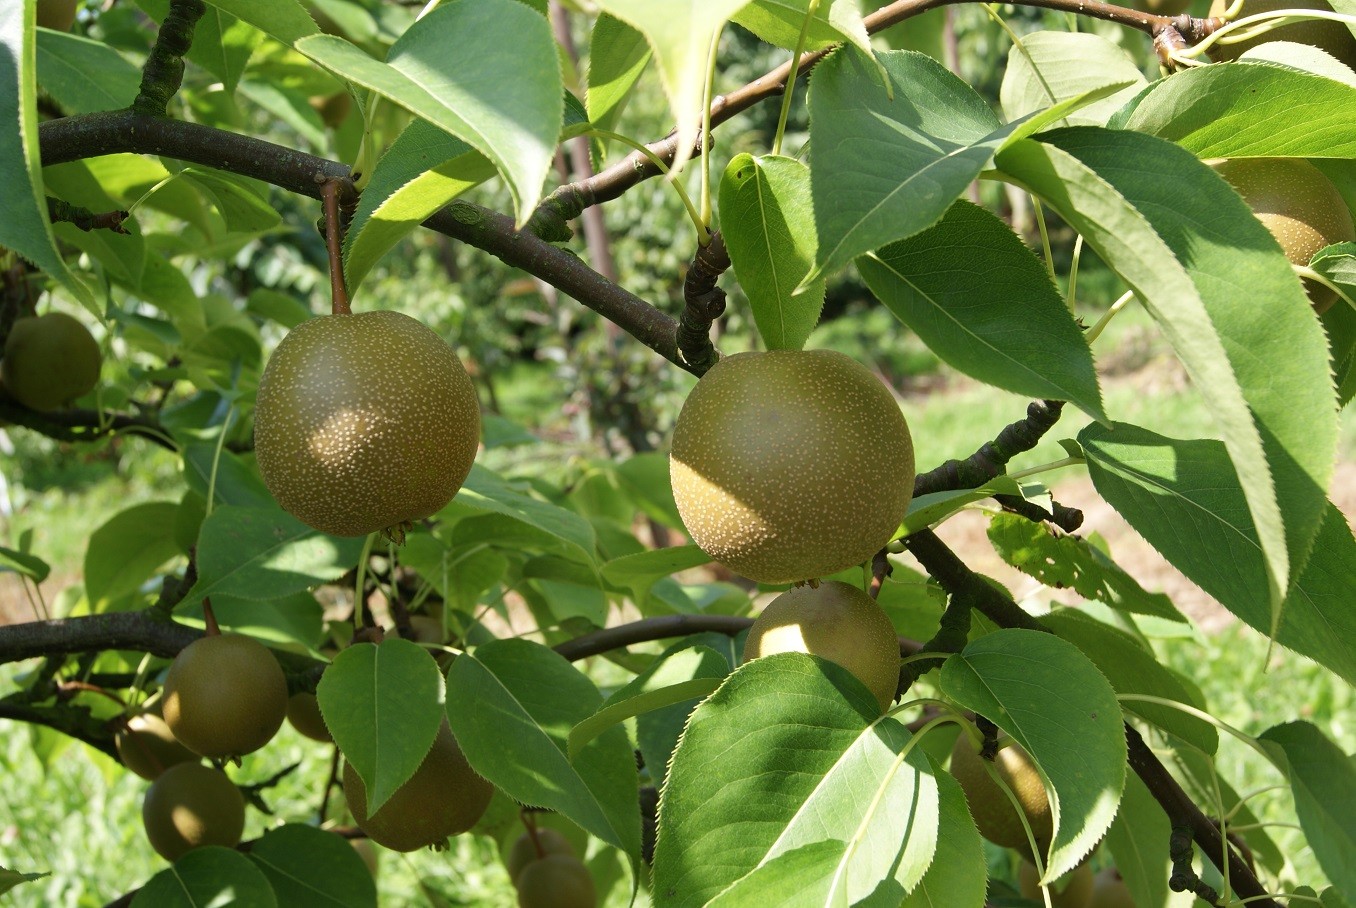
(163, 71)
(84, 425)
(991, 460)
(73, 721)
(958, 580)
(92, 135)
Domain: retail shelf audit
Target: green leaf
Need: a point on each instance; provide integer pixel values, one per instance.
(234, 482)
(1136, 840)
(127, 550)
(1198, 260)
(1185, 499)
(1305, 57)
(926, 510)
(486, 491)
(222, 44)
(265, 553)
(1048, 67)
(648, 566)
(1323, 780)
(685, 675)
(1339, 323)
(277, 306)
(383, 704)
(618, 54)
(958, 875)
(804, 877)
(84, 76)
(11, 878)
(507, 106)
(779, 22)
(1133, 669)
(286, 20)
(658, 731)
(309, 866)
(768, 222)
(1070, 561)
(571, 589)
(1055, 703)
(459, 575)
(290, 106)
(208, 877)
(792, 750)
(681, 33)
(524, 692)
(887, 167)
(292, 622)
(244, 206)
(25, 228)
(976, 295)
(23, 563)
(421, 172)
(1238, 110)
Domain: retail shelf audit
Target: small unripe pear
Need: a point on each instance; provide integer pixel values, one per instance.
(57, 14)
(444, 797)
(556, 881)
(525, 850)
(192, 805)
(1299, 205)
(303, 712)
(791, 465)
(49, 361)
(989, 805)
(364, 422)
(148, 747)
(225, 695)
(837, 622)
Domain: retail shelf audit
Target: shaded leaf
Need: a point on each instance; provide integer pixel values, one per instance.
(208, 877)
(1055, 703)
(24, 563)
(1048, 67)
(618, 54)
(779, 22)
(11, 878)
(126, 551)
(286, 20)
(309, 866)
(486, 491)
(383, 704)
(84, 76)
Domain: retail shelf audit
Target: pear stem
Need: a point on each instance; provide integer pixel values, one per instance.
(213, 630)
(329, 193)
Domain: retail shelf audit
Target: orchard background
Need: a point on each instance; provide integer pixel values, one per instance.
(1129, 423)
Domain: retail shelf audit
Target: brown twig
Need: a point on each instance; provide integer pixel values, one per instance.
(84, 219)
(330, 189)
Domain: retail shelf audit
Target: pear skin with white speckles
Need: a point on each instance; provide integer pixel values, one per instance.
(1299, 205)
(791, 464)
(363, 422)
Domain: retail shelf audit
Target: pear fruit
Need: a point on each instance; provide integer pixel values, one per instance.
(148, 747)
(524, 850)
(58, 15)
(49, 361)
(225, 696)
(1325, 34)
(835, 621)
(303, 713)
(1299, 205)
(556, 881)
(443, 798)
(192, 805)
(364, 422)
(1109, 891)
(1073, 890)
(989, 805)
(790, 465)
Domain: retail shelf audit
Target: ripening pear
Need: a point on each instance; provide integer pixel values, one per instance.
(49, 361)
(790, 465)
(556, 881)
(1299, 205)
(148, 747)
(837, 622)
(364, 422)
(303, 714)
(225, 695)
(444, 797)
(58, 15)
(1325, 34)
(989, 805)
(191, 805)
(1109, 891)
(526, 849)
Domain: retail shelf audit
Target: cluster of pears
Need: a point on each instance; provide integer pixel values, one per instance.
(49, 361)
(547, 873)
(364, 422)
(224, 696)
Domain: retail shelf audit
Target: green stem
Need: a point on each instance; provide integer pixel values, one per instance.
(216, 459)
(1047, 467)
(703, 235)
(358, 596)
(703, 231)
(1072, 297)
(1096, 330)
(810, 12)
(1204, 717)
(1045, 236)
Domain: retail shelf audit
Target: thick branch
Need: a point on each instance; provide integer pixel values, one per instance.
(92, 135)
(164, 68)
(958, 580)
(136, 631)
(73, 721)
(992, 458)
(84, 425)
